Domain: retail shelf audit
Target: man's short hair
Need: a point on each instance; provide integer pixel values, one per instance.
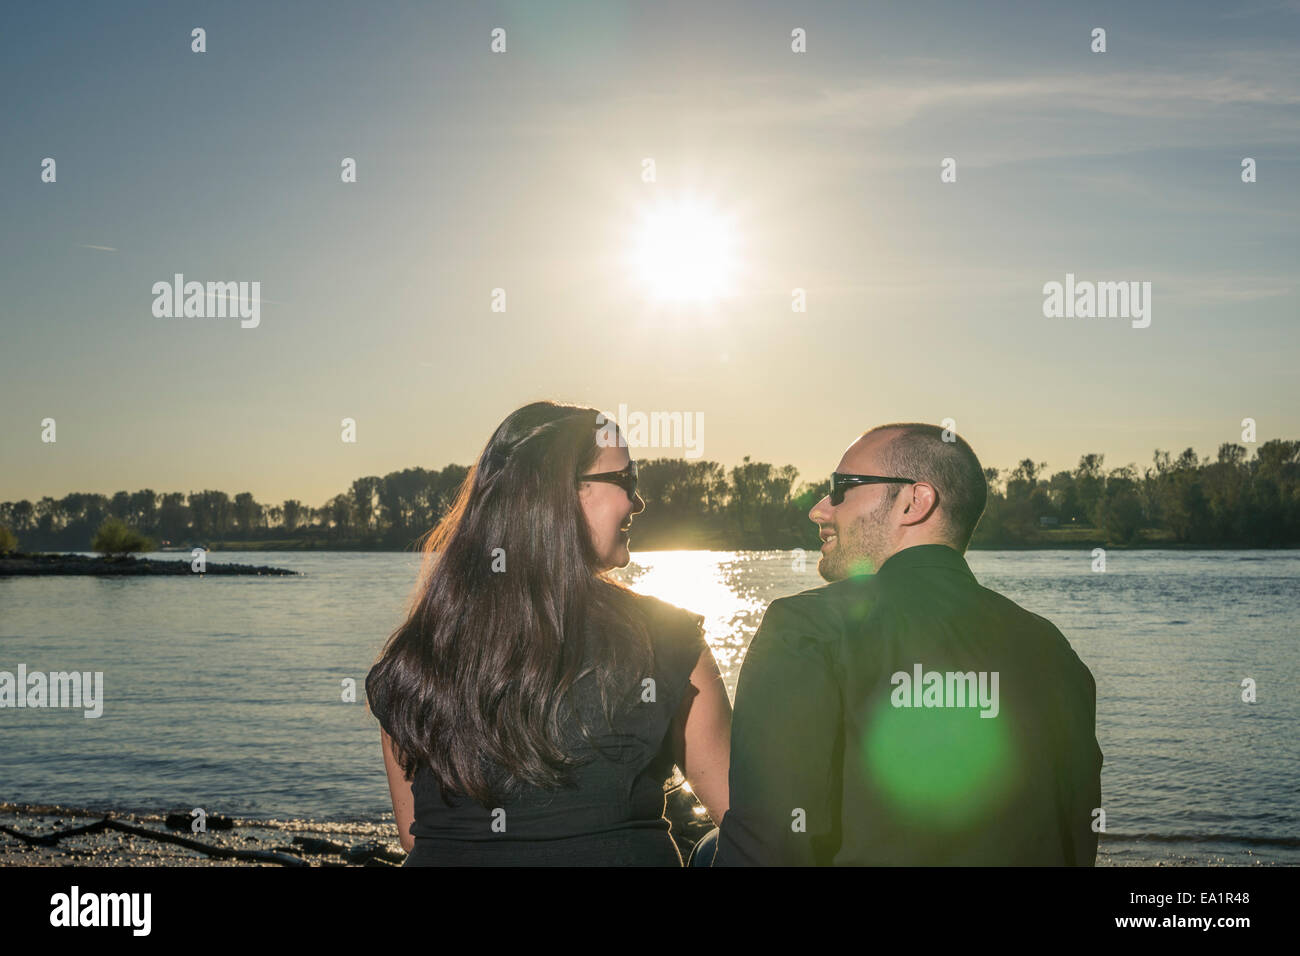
(918, 451)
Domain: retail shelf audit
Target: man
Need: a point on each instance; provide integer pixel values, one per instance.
(904, 714)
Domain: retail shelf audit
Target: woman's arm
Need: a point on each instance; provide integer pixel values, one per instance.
(400, 790)
(702, 736)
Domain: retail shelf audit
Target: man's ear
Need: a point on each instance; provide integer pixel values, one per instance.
(923, 502)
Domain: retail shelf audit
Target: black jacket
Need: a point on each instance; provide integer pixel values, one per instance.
(840, 756)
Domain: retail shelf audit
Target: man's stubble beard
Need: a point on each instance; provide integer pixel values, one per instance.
(857, 551)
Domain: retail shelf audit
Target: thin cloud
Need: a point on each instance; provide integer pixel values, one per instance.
(1038, 116)
(87, 245)
(235, 298)
(1209, 96)
(885, 105)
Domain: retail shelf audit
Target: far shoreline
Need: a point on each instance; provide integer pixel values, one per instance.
(1079, 545)
(72, 563)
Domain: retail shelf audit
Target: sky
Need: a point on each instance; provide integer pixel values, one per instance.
(524, 170)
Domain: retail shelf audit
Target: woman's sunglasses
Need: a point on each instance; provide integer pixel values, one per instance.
(841, 483)
(625, 479)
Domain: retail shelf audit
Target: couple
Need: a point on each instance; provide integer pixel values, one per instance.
(532, 708)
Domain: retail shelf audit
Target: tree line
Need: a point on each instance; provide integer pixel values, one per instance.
(1233, 500)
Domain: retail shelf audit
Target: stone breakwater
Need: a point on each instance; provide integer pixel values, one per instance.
(63, 836)
(54, 835)
(15, 565)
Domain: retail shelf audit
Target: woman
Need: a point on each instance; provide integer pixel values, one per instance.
(532, 708)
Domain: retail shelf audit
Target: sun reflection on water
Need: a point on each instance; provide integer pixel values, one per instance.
(711, 583)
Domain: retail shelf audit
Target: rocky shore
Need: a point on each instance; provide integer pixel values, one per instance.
(15, 565)
(52, 835)
(66, 836)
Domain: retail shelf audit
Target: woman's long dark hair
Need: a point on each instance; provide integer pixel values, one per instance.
(477, 680)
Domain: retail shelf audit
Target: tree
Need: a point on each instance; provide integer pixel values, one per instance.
(1065, 497)
(1119, 512)
(24, 515)
(211, 512)
(49, 515)
(365, 499)
(144, 508)
(339, 510)
(1089, 483)
(119, 506)
(1028, 471)
(1230, 454)
(294, 512)
(8, 542)
(747, 480)
(173, 517)
(115, 537)
(1120, 516)
(1183, 506)
(247, 512)
(1277, 458)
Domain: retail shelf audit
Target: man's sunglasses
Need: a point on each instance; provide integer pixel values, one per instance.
(625, 479)
(842, 483)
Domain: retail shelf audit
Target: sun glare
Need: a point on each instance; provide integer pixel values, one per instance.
(685, 251)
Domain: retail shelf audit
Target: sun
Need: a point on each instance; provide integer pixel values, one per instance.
(685, 251)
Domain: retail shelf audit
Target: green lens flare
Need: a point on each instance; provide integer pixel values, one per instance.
(942, 766)
(861, 567)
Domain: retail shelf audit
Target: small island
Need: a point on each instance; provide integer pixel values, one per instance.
(116, 544)
(13, 565)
